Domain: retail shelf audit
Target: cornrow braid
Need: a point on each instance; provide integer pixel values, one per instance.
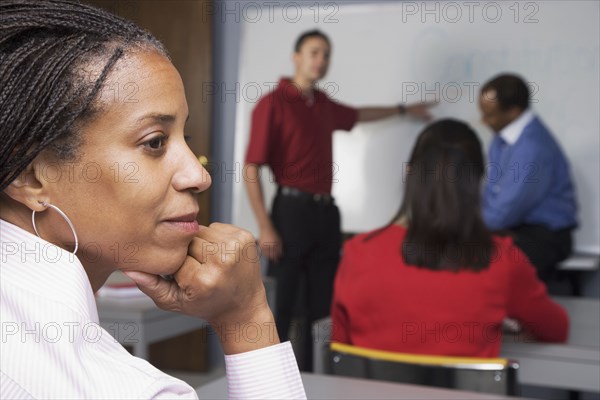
(46, 47)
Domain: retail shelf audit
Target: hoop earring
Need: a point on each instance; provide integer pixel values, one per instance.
(62, 214)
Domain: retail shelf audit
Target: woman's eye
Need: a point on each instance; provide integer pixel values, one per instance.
(156, 143)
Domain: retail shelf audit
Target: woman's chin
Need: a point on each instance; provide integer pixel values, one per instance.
(166, 265)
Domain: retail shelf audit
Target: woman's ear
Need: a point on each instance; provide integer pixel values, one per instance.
(28, 188)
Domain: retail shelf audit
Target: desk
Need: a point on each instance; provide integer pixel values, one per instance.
(574, 267)
(580, 262)
(138, 322)
(574, 365)
(335, 387)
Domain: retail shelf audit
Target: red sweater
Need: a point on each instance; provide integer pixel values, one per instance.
(382, 303)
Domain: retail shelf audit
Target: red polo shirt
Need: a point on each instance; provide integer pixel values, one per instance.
(295, 137)
(380, 302)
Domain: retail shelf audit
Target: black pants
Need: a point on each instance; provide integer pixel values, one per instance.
(544, 248)
(310, 232)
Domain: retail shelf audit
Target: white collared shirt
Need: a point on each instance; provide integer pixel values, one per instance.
(512, 132)
(52, 345)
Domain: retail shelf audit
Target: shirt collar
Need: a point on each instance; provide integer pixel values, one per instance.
(293, 92)
(511, 132)
(40, 267)
(285, 82)
(289, 86)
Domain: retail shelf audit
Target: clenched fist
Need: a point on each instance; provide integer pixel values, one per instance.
(220, 282)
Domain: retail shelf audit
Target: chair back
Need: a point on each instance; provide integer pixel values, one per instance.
(487, 375)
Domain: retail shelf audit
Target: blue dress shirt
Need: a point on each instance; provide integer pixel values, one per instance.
(527, 179)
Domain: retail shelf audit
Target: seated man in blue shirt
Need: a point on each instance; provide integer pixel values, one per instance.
(528, 189)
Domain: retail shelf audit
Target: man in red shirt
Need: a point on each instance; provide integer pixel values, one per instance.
(291, 131)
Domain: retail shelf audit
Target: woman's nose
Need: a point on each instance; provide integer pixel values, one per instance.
(191, 174)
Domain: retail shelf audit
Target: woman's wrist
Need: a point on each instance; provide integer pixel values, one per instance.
(250, 331)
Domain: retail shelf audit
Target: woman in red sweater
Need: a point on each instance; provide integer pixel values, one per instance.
(436, 281)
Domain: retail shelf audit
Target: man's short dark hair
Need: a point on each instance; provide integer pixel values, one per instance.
(310, 34)
(511, 91)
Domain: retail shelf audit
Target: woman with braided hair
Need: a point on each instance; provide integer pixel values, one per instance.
(90, 183)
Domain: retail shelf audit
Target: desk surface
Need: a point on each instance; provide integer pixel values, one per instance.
(572, 365)
(584, 318)
(138, 322)
(117, 308)
(335, 387)
(144, 308)
(584, 324)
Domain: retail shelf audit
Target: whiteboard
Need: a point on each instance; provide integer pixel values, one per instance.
(388, 53)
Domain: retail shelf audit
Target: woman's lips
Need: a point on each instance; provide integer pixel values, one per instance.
(184, 226)
(186, 223)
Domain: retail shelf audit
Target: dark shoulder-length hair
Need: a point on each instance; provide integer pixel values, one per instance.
(442, 200)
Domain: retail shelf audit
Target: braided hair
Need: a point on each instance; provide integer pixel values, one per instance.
(46, 47)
